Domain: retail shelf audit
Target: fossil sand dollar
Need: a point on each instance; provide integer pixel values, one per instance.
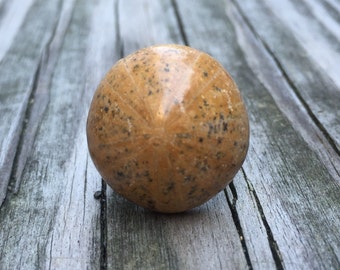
(167, 128)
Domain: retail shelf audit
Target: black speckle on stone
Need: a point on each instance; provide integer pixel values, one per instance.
(219, 140)
(170, 186)
(135, 67)
(181, 171)
(149, 93)
(211, 129)
(120, 174)
(126, 131)
(192, 191)
(204, 168)
(200, 139)
(235, 143)
(205, 74)
(189, 178)
(106, 109)
(217, 89)
(221, 117)
(148, 176)
(151, 204)
(202, 165)
(220, 155)
(225, 126)
(166, 69)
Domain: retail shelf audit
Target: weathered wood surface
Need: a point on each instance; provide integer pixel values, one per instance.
(282, 210)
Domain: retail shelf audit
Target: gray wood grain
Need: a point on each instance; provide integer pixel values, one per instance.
(308, 52)
(12, 14)
(282, 210)
(53, 218)
(204, 238)
(268, 71)
(18, 69)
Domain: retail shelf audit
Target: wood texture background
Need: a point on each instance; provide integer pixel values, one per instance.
(282, 210)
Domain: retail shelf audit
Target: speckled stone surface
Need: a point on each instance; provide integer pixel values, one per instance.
(167, 128)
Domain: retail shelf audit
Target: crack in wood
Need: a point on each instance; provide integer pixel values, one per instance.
(271, 240)
(119, 42)
(180, 22)
(101, 195)
(103, 227)
(51, 256)
(18, 164)
(237, 222)
(85, 188)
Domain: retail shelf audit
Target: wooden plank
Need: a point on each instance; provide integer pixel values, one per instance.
(18, 69)
(283, 93)
(151, 23)
(54, 219)
(308, 52)
(293, 191)
(206, 238)
(12, 14)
